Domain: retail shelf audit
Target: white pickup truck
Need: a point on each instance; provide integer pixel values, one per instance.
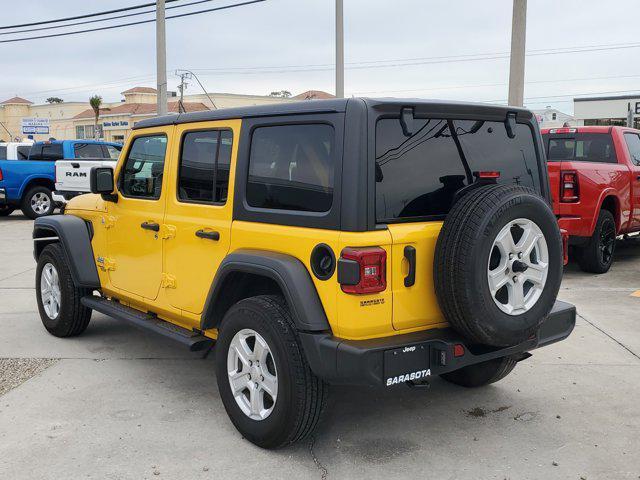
(72, 176)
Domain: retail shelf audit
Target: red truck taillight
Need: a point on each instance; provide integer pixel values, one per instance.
(363, 270)
(1, 177)
(569, 187)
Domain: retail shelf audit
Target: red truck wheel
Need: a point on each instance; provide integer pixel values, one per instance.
(597, 255)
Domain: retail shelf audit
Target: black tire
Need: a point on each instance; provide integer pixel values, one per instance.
(301, 396)
(6, 211)
(462, 256)
(27, 207)
(73, 317)
(481, 374)
(597, 255)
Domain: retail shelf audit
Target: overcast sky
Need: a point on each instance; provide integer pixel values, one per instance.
(407, 48)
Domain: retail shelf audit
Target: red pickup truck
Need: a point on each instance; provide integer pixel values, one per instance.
(594, 173)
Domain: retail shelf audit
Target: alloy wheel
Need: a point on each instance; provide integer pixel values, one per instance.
(518, 266)
(50, 291)
(252, 374)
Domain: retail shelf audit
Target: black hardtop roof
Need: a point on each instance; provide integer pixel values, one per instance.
(327, 106)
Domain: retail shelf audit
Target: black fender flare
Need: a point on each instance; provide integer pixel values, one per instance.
(74, 234)
(286, 271)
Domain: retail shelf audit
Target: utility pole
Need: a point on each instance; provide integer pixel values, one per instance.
(518, 39)
(339, 49)
(183, 84)
(161, 58)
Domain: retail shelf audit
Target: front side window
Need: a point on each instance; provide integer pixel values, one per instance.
(581, 147)
(633, 144)
(205, 159)
(112, 151)
(291, 167)
(418, 175)
(142, 172)
(88, 150)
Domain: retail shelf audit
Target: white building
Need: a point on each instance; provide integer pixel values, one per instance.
(552, 118)
(606, 110)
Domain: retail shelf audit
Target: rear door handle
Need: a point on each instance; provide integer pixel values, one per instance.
(150, 226)
(208, 235)
(410, 255)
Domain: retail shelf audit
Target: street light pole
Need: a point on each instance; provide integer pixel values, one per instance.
(339, 50)
(518, 39)
(161, 58)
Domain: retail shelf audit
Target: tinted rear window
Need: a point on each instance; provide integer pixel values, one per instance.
(88, 150)
(23, 152)
(418, 176)
(46, 151)
(3, 152)
(580, 147)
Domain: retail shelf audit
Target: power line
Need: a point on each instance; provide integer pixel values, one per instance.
(110, 27)
(96, 14)
(103, 19)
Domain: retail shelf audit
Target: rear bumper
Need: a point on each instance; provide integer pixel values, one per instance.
(391, 360)
(3, 196)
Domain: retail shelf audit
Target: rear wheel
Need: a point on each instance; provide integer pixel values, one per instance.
(597, 255)
(37, 202)
(481, 374)
(6, 211)
(267, 388)
(58, 298)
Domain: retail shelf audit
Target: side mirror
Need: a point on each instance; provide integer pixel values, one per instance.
(101, 181)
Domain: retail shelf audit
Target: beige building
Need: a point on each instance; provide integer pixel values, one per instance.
(71, 120)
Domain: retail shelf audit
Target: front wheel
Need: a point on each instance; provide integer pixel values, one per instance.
(58, 298)
(481, 374)
(37, 202)
(267, 388)
(597, 255)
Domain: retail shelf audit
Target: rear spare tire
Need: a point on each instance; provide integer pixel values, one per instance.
(498, 264)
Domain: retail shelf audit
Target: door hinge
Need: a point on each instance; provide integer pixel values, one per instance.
(168, 281)
(106, 264)
(108, 221)
(168, 231)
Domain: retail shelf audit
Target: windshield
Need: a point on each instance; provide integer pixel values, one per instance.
(417, 176)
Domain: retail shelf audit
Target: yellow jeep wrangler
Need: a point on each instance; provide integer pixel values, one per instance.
(357, 241)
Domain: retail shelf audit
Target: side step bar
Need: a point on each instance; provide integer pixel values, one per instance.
(147, 321)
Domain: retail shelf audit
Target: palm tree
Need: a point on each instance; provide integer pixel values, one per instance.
(95, 103)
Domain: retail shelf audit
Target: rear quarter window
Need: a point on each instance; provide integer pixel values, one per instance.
(291, 167)
(580, 147)
(417, 176)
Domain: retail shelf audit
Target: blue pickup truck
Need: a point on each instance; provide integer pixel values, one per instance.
(27, 184)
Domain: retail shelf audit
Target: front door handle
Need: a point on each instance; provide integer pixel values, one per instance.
(150, 226)
(410, 255)
(208, 235)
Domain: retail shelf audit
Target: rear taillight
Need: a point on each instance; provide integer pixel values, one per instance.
(362, 270)
(1, 177)
(569, 187)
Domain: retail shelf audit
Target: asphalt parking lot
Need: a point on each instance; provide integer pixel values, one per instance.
(118, 403)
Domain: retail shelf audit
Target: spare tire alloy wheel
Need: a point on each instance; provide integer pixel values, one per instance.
(252, 374)
(518, 266)
(498, 264)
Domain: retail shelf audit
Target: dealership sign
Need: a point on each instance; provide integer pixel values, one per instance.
(115, 125)
(35, 125)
